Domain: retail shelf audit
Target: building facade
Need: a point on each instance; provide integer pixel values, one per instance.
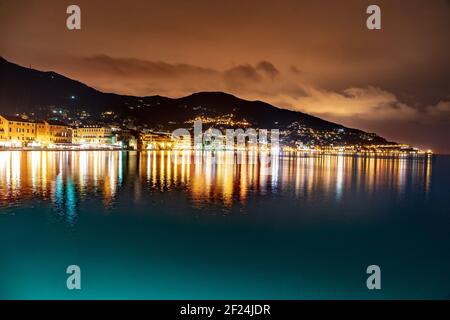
(155, 141)
(19, 132)
(53, 132)
(15, 131)
(92, 135)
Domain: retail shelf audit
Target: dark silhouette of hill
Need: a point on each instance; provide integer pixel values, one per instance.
(38, 93)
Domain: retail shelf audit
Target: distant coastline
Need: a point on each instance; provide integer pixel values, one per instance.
(281, 152)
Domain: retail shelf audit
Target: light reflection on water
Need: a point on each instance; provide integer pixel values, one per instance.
(303, 227)
(65, 178)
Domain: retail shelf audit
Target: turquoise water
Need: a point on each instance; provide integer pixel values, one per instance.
(161, 225)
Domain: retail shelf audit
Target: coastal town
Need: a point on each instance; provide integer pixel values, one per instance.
(22, 133)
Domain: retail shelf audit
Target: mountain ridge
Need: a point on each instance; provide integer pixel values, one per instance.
(41, 93)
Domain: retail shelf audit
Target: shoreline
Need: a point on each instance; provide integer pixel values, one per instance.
(282, 153)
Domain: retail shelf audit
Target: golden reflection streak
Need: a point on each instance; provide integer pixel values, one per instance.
(29, 174)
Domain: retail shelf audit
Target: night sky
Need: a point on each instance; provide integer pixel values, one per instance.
(313, 56)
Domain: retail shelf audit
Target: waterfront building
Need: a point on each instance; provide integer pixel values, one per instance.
(155, 141)
(16, 131)
(53, 132)
(126, 138)
(92, 135)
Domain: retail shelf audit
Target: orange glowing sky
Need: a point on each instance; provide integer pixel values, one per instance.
(314, 56)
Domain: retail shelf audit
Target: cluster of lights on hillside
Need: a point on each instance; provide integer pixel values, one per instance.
(306, 140)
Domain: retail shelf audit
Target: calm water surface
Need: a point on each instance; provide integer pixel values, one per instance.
(164, 225)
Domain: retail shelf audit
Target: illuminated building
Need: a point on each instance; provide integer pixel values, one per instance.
(126, 138)
(92, 135)
(53, 132)
(16, 131)
(155, 141)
